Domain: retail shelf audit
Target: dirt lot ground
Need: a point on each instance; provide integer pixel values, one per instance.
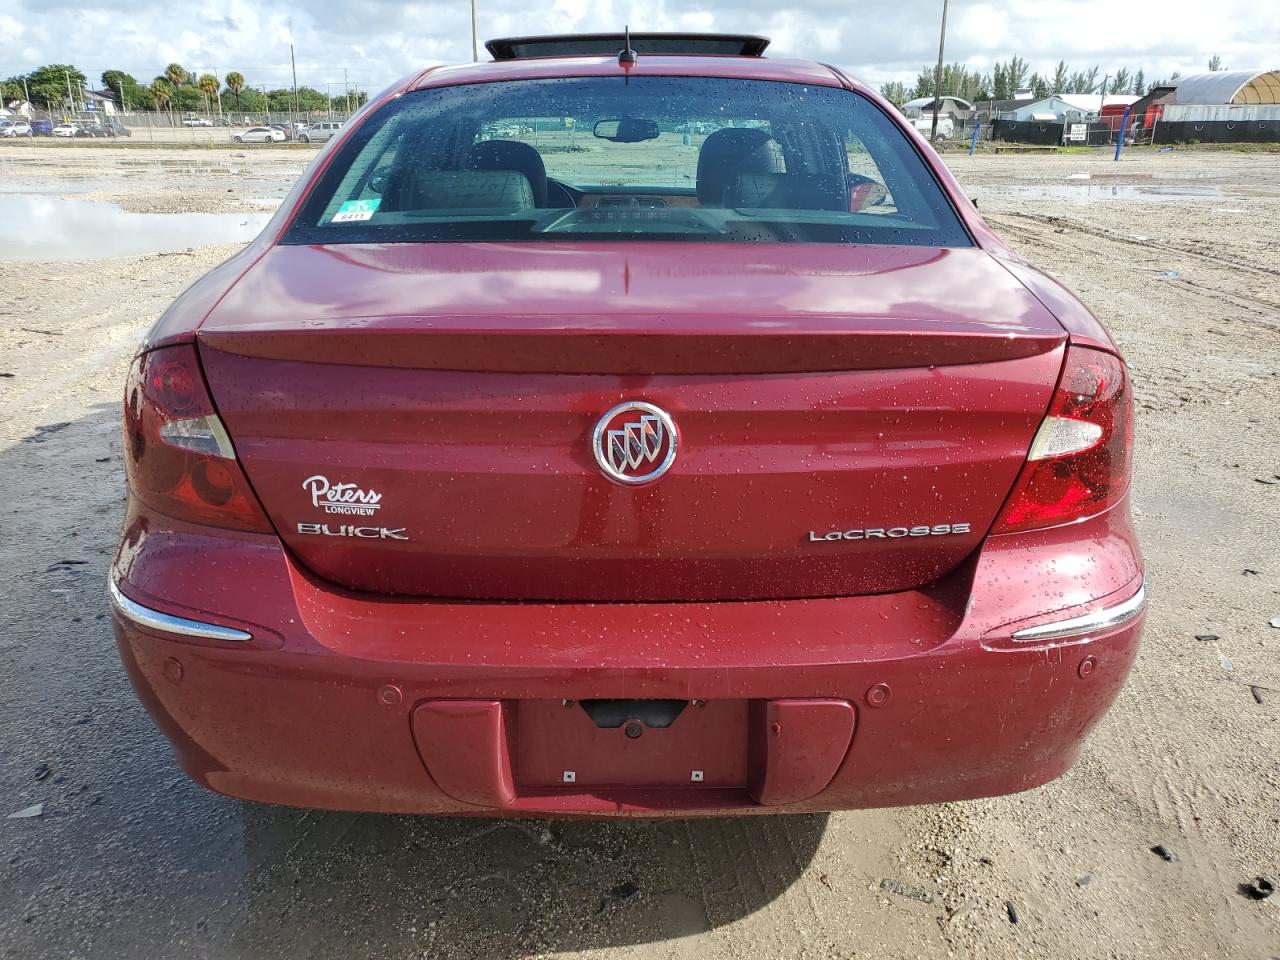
(1176, 252)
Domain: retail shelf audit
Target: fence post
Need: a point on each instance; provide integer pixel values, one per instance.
(973, 142)
(1124, 126)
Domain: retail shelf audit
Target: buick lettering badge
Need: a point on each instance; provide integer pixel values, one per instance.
(635, 442)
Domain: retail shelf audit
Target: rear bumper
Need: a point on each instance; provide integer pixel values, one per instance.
(344, 701)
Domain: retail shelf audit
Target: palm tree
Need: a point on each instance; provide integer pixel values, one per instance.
(208, 85)
(162, 93)
(235, 83)
(175, 75)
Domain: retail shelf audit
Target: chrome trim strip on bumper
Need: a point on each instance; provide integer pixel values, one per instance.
(166, 623)
(1099, 620)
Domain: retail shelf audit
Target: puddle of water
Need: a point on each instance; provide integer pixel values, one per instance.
(45, 188)
(49, 228)
(1085, 191)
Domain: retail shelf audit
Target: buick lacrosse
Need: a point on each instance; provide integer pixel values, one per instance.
(627, 426)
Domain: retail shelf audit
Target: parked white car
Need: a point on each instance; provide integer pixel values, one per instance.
(196, 122)
(15, 128)
(64, 130)
(319, 132)
(259, 135)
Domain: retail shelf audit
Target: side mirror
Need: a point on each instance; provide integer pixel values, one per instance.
(625, 130)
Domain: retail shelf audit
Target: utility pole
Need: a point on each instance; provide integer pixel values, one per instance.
(346, 91)
(328, 99)
(70, 97)
(937, 76)
(475, 46)
(293, 66)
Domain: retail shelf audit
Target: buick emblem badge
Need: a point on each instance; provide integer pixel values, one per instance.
(635, 442)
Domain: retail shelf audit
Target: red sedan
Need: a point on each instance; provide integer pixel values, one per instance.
(654, 431)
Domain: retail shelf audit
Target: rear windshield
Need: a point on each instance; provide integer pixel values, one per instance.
(652, 158)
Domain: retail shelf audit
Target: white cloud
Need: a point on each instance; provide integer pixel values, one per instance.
(380, 40)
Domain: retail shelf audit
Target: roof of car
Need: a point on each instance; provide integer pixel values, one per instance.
(745, 68)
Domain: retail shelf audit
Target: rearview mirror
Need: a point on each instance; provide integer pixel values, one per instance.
(626, 130)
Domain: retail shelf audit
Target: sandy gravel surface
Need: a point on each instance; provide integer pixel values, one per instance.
(1176, 252)
(155, 181)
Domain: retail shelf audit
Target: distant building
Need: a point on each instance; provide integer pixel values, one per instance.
(1148, 109)
(101, 102)
(1229, 106)
(1064, 108)
(1235, 87)
(988, 110)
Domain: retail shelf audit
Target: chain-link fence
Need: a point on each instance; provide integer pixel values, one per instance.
(167, 126)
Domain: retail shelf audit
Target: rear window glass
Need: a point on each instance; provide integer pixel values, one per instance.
(655, 158)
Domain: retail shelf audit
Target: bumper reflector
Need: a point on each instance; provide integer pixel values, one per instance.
(167, 623)
(1104, 619)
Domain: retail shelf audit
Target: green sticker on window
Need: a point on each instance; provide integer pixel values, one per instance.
(354, 210)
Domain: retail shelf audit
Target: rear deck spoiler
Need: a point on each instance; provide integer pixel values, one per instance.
(610, 44)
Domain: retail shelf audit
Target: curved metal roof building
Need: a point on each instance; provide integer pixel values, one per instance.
(1230, 86)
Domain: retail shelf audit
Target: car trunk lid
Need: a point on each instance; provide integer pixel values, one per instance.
(419, 418)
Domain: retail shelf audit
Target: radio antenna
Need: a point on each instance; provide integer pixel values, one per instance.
(626, 56)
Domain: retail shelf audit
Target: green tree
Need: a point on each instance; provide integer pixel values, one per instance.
(124, 86)
(895, 91)
(235, 83)
(11, 90)
(115, 80)
(1039, 86)
(1122, 81)
(1140, 84)
(253, 101)
(208, 85)
(48, 84)
(1017, 73)
(161, 93)
(924, 84)
(279, 101)
(1001, 89)
(1061, 78)
(957, 81)
(1215, 64)
(175, 75)
(311, 100)
(188, 98)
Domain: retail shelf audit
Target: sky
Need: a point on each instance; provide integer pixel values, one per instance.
(371, 43)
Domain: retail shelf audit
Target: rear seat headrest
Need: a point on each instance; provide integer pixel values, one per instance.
(512, 155)
(730, 153)
(444, 189)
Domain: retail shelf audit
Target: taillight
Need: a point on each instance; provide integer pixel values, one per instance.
(1080, 459)
(178, 456)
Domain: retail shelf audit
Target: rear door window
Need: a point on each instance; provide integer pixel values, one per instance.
(658, 158)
